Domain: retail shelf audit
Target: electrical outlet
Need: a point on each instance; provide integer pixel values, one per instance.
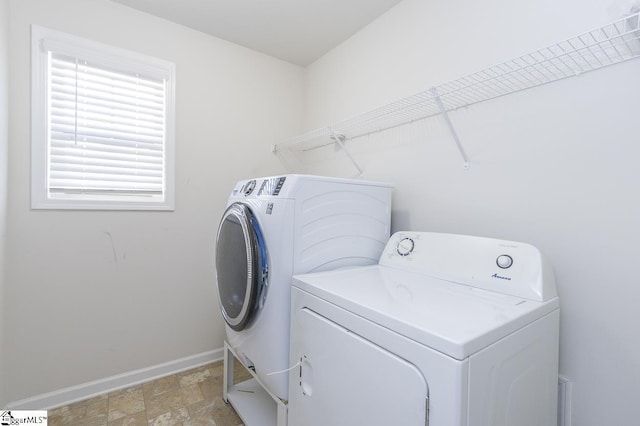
(564, 401)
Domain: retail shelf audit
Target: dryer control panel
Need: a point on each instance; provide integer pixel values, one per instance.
(271, 186)
(257, 187)
(507, 267)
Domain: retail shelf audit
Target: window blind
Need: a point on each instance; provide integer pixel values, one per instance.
(106, 130)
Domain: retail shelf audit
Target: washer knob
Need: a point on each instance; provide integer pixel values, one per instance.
(405, 246)
(249, 187)
(504, 261)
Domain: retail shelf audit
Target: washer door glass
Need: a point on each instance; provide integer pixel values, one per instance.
(241, 266)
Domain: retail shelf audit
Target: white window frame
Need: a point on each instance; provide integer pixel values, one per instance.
(45, 40)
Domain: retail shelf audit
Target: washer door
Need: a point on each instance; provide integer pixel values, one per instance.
(241, 265)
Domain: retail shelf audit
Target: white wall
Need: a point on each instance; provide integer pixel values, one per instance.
(554, 166)
(4, 129)
(89, 295)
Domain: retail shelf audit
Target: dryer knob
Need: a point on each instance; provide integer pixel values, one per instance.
(249, 187)
(504, 261)
(405, 246)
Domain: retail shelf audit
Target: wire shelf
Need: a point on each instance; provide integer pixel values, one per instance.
(613, 43)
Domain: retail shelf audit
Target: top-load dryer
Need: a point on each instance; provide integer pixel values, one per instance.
(275, 227)
(447, 330)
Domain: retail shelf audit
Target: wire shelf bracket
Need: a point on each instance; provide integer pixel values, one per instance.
(614, 43)
(339, 140)
(454, 134)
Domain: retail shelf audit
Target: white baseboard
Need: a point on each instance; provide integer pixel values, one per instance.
(87, 390)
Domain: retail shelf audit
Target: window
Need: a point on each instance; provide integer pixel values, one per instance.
(102, 126)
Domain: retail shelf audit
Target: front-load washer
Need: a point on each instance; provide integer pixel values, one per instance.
(275, 227)
(447, 330)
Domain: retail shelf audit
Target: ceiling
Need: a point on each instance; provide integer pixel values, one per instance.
(297, 31)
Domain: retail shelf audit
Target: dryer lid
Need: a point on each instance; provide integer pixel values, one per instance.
(452, 318)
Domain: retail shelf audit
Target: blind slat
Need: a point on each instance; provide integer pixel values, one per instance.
(103, 185)
(102, 85)
(88, 132)
(83, 122)
(63, 159)
(62, 107)
(123, 98)
(106, 153)
(126, 147)
(69, 96)
(99, 175)
(63, 63)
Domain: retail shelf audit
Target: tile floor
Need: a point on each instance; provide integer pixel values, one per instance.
(190, 398)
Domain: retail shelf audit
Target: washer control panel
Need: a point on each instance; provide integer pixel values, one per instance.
(405, 246)
(249, 187)
(507, 267)
(270, 187)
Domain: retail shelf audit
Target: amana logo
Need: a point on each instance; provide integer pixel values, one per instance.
(501, 277)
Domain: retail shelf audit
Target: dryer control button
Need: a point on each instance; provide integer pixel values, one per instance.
(405, 246)
(504, 261)
(249, 187)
